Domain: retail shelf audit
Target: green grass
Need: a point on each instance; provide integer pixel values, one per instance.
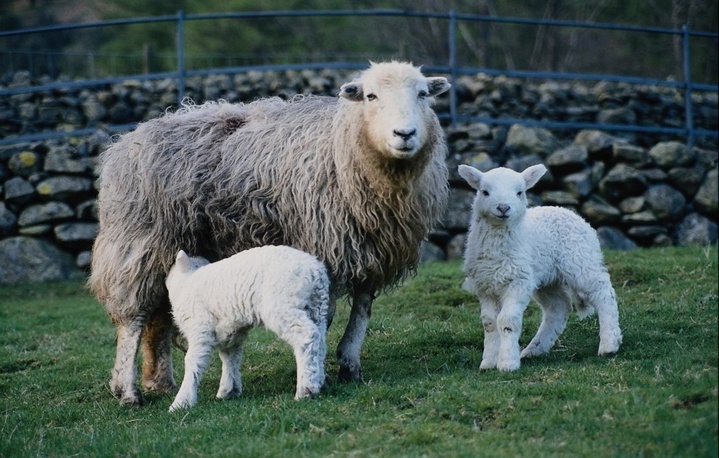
(424, 394)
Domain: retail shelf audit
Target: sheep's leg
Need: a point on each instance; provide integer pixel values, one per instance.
(196, 360)
(348, 350)
(124, 374)
(490, 355)
(604, 300)
(509, 324)
(231, 356)
(307, 339)
(157, 353)
(556, 306)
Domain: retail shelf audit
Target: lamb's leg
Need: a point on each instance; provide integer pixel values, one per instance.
(490, 355)
(157, 353)
(124, 373)
(348, 350)
(509, 324)
(307, 339)
(231, 356)
(196, 360)
(604, 300)
(556, 305)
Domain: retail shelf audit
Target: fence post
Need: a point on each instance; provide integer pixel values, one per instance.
(180, 56)
(688, 105)
(453, 67)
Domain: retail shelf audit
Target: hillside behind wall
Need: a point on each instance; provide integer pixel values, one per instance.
(636, 190)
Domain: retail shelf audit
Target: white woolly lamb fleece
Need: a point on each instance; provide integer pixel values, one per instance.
(515, 253)
(214, 305)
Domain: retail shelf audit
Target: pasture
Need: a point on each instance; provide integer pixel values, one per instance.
(423, 393)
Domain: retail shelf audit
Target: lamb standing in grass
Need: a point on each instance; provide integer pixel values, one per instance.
(514, 253)
(278, 287)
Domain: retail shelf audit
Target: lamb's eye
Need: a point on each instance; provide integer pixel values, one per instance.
(422, 94)
(519, 194)
(485, 193)
(371, 97)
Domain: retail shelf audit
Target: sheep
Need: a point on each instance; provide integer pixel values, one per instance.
(278, 287)
(357, 180)
(514, 253)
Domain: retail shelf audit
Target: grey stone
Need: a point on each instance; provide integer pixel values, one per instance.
(459, 209)
(634, 155)
(595, 141)
(579, 184)
(25, 163)
(45, 213)
(665, 202)
(632, 204)
(63, 187)
(61, 160)
(524, 140)
(8, 221)
(36, 230)
(621, 182)
(707, 198)
(84, 259)
(561, 198)
(672, 154)
(569, 159)
(429, 252)
(695, 229)
(456, 245)
(18, 191)
(76, 232)
(611, 238)
(642, 217)
(685, 179)
(599, 212)
(27, 259)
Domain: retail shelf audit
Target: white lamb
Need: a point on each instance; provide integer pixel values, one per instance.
(214, 305)
(514, 253)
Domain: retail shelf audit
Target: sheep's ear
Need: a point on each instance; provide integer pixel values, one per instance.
(182, 260)
(352, 91)
(532, 174)
(437, 85)
(471, 175)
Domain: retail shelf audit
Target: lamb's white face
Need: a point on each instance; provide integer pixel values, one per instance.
(397, 101)
(501, 193)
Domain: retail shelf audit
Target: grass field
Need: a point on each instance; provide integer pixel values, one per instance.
(424, 394)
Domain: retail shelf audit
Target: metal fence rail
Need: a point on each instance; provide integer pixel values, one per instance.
(452, 68)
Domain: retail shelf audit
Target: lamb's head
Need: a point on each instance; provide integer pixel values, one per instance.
(184, 265)
(501, 197)
(396, 102)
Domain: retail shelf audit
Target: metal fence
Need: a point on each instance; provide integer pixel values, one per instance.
(452, 67)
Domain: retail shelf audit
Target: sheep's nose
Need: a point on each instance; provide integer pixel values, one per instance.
(503, 208)
(405, 134)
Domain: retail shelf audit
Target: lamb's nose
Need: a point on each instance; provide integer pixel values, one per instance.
(504, 208)
(405, 134)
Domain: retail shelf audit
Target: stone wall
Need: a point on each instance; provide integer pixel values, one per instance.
(635, 189)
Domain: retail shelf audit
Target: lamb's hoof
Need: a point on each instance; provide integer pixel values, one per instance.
(609, 349)
(306, 393)
(508, 366)
(530, 353)
(350, 374)
(231, 394)
(486, 365)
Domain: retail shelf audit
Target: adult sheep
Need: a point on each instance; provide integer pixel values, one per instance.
(357, 181)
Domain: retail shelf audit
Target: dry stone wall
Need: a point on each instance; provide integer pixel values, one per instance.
(637, 190)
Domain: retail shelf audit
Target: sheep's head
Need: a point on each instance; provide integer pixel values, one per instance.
(396, 100)
(501, 193)
(184, 264)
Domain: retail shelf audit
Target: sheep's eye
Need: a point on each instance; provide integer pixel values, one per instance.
(371, 97)
(485, 193)
(422, 94)
(519, 194)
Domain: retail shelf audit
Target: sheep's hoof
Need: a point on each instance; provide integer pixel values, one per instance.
(160, 387)
(132, 399)
(351, 374)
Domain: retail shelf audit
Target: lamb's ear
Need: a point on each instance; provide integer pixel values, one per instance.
(352, 91)
(437, 85)
(471, 175)
(182, 260)
(532, 174)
